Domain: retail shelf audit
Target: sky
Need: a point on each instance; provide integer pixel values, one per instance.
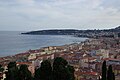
(28, 15)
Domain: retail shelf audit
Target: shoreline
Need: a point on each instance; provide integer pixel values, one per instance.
(31, 51)
(74, 42)
(86, 57)
(24, 52)
(14, 43)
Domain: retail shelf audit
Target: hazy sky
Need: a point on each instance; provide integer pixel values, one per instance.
(54, 14)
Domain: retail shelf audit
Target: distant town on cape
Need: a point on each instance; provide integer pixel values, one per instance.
(115, 32)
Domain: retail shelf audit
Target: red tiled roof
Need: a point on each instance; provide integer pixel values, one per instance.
(86, 73)
(109, 59)
(26, 63)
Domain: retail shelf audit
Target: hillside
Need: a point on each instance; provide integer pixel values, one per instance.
(79, 33)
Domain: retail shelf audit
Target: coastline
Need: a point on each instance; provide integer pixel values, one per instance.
(32, 51)
(26, 51)
(86, 57)
(13, 42)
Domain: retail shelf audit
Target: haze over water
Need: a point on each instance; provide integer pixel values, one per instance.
(12, 42)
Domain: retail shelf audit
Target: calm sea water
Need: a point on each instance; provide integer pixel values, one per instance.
(12, 42)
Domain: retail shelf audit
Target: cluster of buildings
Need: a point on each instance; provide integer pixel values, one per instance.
(86, 57)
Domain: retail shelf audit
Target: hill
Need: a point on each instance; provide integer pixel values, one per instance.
(79, 33)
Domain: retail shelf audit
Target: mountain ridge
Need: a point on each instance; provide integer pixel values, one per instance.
(79, 33)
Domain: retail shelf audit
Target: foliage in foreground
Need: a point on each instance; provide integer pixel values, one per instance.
(59, 70)
(107, 74)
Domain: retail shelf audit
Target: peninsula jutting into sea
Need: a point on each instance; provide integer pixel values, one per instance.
(80, 33)
(91, 59)
(59, 39)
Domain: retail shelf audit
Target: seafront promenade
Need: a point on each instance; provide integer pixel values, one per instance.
(86, 57)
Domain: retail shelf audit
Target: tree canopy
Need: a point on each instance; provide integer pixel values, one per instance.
(59, 70)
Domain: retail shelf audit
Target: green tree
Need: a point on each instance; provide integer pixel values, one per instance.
(37, 74)
(113, 76)
(110, 73)
(44, 72)
(12, 73)
(1, 71)
(1, 68)
(104, 69)
(71, 72)
(61, 70)
(24, 73)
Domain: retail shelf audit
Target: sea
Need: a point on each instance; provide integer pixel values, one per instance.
(13, 42)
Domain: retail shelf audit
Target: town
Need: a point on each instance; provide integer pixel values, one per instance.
(86, 57)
